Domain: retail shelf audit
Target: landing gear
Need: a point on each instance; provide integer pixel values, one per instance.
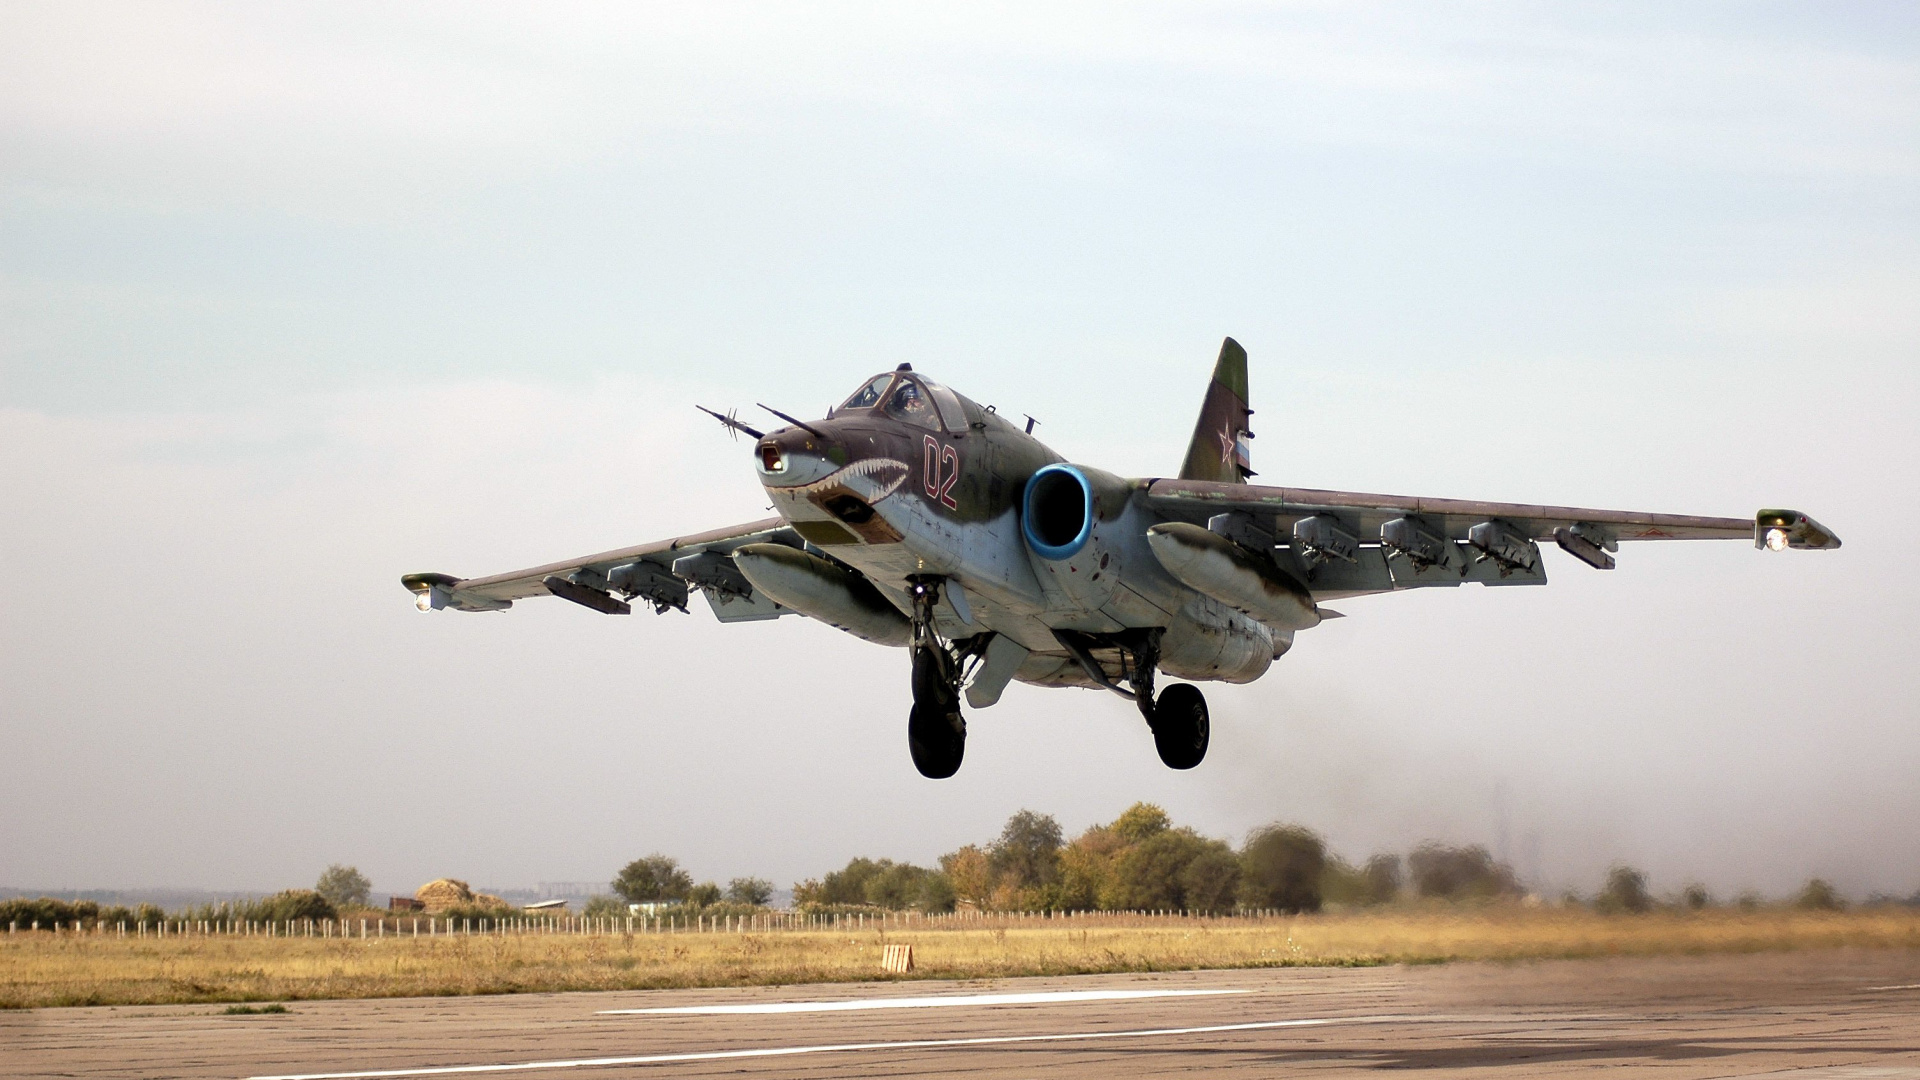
(936, 732)
(1180, 728)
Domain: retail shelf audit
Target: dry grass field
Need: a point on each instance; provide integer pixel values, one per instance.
(45, 969)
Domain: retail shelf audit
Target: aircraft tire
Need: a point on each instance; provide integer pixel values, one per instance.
(937, 739)
(1180, 727)
(936, 732)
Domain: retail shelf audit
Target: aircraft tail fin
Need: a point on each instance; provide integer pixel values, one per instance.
(1219, 450)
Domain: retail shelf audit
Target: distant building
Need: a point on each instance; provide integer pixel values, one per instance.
(404, 903)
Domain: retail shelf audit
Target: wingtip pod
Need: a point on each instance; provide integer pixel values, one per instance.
(432, 592)
(1781, 530)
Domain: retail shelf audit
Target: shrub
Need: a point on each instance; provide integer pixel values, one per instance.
(1625, 893)
(605, 907)
(705, 894)
(289, 905)
(1695, 897)
(1282, 867)
(1819, 895)
(47, 911)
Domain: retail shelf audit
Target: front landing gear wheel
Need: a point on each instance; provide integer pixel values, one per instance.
(936, 732)
(1180, 727)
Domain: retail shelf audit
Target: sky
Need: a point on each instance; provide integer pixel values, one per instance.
(297, 298)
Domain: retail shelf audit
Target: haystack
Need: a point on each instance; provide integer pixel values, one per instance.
(448, 893)
(443, 894)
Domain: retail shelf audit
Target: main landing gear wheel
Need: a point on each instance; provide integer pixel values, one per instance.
(936, 733)
(1180, 727)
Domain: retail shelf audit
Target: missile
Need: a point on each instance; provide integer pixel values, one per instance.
(1231, 574)
(821, 590)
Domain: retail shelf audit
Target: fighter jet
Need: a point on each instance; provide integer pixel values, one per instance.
(916, 518)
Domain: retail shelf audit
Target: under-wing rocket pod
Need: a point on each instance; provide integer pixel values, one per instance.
(822, 590)
(1224, 570)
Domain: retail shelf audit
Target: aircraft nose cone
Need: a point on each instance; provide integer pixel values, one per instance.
(794, 458)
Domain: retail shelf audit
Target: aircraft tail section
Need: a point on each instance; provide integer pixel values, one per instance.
(1219, 450)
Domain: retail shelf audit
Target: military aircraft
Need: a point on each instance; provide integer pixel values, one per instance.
(912, 516)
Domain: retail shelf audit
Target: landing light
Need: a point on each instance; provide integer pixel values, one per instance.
(1776, 539)
(423, 599)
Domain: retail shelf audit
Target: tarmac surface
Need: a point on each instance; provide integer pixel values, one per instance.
(1800, 1015)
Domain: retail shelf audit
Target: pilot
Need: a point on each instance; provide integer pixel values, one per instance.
(908, 402)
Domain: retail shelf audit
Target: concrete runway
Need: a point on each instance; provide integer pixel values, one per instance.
(1814, 1014)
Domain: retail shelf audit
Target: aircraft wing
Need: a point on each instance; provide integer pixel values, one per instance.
(1348, 543)
(659, 573)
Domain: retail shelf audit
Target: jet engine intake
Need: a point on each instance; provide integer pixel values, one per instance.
(1057, 512)
(822, 590)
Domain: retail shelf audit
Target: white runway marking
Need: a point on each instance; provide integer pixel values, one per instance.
(941, 1001)
(838, 1048)
(1908, 986)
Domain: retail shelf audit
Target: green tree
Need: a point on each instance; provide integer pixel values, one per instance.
(750, 890)
(936, 893)
(1153, 873)
(1140, 821)
(1212, 880)
(1696, 897)
(652, 880)
(705, 894)
(1459, 873)
(1027, 855)
(1819, 895)
(1382, 874)
(1343, 883)
(1086, 867)
(900, 886)
(847, 885)
(1625, 893)
(343, 886)
(969, 872)
(1282, 867)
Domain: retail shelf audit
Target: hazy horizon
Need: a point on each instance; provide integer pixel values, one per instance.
(294, 300)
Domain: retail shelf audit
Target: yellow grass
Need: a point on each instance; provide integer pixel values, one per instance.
(45, 969)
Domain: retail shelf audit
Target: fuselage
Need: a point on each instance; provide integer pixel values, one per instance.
(908, 480)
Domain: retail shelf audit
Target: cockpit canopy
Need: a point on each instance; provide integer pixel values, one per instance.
(905, 396)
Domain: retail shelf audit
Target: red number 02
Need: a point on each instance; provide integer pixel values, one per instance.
(940, 471)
